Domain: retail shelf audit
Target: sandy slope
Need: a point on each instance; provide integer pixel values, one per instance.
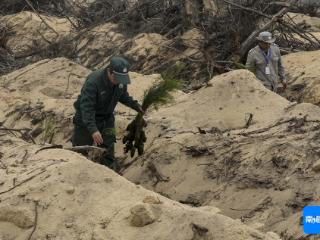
(202, 154)
(311, 23)
(47, 90)
(199, 152)
(146, 51)
(33, 37)
(98, 44)
(57, 194)
(220, 168)
(29, 33)
(304, 76)
(104, 41)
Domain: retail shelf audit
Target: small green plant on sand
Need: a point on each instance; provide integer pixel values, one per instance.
(49, 129)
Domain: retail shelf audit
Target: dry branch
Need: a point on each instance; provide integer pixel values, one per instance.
(2, 165)
(30, 69)
(25, 156)
(22, 182)
(14, 129)
(35, 219)
(85, 148)
(74, 149)
(301, 34)
(157, 174)
(228, 33)
(249, 120)
(245, 46)
(42, 19)
(246, 8)
(25, 135)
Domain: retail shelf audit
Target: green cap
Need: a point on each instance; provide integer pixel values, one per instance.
(120, 68)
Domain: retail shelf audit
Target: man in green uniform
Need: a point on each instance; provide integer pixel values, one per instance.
(265, 62)
(94, 117)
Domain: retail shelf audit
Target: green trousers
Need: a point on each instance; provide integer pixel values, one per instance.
(81, 137)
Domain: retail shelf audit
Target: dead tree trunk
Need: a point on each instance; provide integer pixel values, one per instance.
(245, 46)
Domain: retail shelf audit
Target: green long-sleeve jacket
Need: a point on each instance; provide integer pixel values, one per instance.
(98, 99)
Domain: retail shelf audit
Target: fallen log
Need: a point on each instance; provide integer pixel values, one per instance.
(247, 44)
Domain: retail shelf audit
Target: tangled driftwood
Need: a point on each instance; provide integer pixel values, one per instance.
(229, 28)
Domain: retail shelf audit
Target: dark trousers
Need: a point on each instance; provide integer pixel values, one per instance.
(81, 137)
